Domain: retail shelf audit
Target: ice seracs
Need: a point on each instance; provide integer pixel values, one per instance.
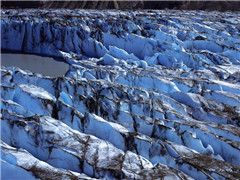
(148, 95)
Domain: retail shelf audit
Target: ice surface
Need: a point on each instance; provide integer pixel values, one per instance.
(148, 94)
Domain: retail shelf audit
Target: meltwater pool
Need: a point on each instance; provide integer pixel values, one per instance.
(34, 63)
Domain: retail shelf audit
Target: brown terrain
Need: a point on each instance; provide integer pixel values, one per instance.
(123, 5)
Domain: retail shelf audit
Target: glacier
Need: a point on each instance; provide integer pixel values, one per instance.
(150, 94)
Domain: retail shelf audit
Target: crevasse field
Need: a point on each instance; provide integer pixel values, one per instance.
(151, 94)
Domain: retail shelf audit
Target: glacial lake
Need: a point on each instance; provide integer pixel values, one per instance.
(34, 63)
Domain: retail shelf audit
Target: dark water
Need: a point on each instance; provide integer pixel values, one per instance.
(38, 64)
